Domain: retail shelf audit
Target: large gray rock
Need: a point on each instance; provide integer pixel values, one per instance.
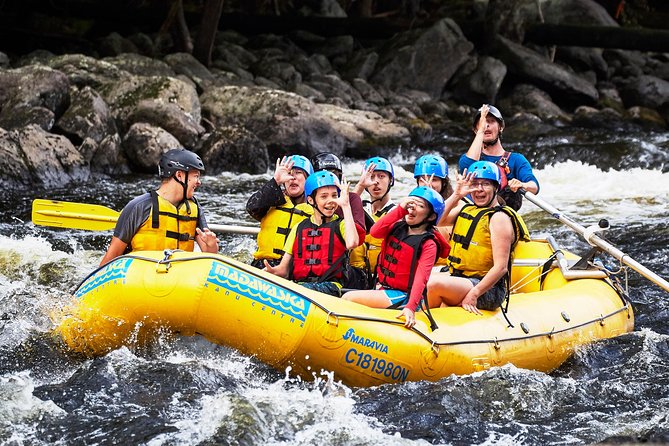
(33, 86)
(85, 71)
(423, 59)
(646, 91)
(576, 12)
(169, 117)
(285, 119)
(531, 67)
(478, 81)
(233, 149)
(31, 156)
(144, 144)
(87, 117)
(124, 97)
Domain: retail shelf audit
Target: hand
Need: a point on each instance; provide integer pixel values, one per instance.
(482, 119)
(515, 184)
(408, 203)
(206, 240)
(342, 201)
(282, 172)
(426, 181)
(469, 302)
(365, 180)
(271, 269)
(409, 317)
(463, 184)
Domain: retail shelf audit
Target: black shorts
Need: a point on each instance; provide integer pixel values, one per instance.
(493, 298)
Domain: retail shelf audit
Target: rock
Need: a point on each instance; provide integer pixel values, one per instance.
(87, 117)
(423, 59)
(4, 60)
(33, 86)
(233, 149)
(527, 98)
(109, 158)
(478, 81)
(361, 65)
(606, 118)
(124, 97)
(144, 44)
(525, 64)
(41, 158)
(367, 92)
(285, 119)
(583, 59)
(23, 115)
(140, 65)
(645, 91)
(647, 118)
(144, 144)
(323, 8)
(84, 71)
(169, 117)
(115, 44)
(234, 55)
(187, 65)
(576, 12)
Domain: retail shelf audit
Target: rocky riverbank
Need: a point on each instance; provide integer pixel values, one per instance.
(74, 117)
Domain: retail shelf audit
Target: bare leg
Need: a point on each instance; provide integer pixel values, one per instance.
(371, 298)
(447, 289)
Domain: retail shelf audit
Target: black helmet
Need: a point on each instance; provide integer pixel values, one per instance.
(492, 110)
(327, 161)
(178, 159)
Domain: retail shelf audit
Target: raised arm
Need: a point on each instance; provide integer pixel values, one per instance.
(475, 148)
(350, 232)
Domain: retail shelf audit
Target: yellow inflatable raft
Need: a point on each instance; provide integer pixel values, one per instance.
(552, 311)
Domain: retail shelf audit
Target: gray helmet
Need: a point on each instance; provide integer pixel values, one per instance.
(327, 161)
(494, 111)
(178, 159)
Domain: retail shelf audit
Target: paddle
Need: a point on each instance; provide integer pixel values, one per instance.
(94, 217)
(592, 238)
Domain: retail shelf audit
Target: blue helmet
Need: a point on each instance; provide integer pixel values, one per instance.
(431, 196)
(485, 170)
(431, 165)
(320, 179)
(301, 162)
(382, 164)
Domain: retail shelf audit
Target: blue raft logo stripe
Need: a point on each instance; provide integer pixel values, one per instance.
(259, 290)
(116, 270)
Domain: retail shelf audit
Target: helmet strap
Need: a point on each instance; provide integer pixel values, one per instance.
(184, 185)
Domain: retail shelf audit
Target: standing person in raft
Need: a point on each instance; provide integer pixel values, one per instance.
(168, 218)
(279, 205)
(411, 245)
(316, 251)
(484, 236)
(378, 177)
(488, 126)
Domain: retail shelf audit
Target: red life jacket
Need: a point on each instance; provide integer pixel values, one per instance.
(400, 253)
(319, 252)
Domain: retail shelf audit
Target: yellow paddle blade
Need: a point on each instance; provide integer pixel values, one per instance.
(63, 214)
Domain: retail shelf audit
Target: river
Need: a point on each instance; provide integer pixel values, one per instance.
(185, 391)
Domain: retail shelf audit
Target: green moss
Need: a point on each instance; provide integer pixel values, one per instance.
(147, 90)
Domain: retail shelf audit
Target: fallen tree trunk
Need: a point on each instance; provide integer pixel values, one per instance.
(642, 39)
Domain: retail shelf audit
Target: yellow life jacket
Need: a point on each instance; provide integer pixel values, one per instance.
(471, 249)
(167, 227)
(276, 225)
(366, 255)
